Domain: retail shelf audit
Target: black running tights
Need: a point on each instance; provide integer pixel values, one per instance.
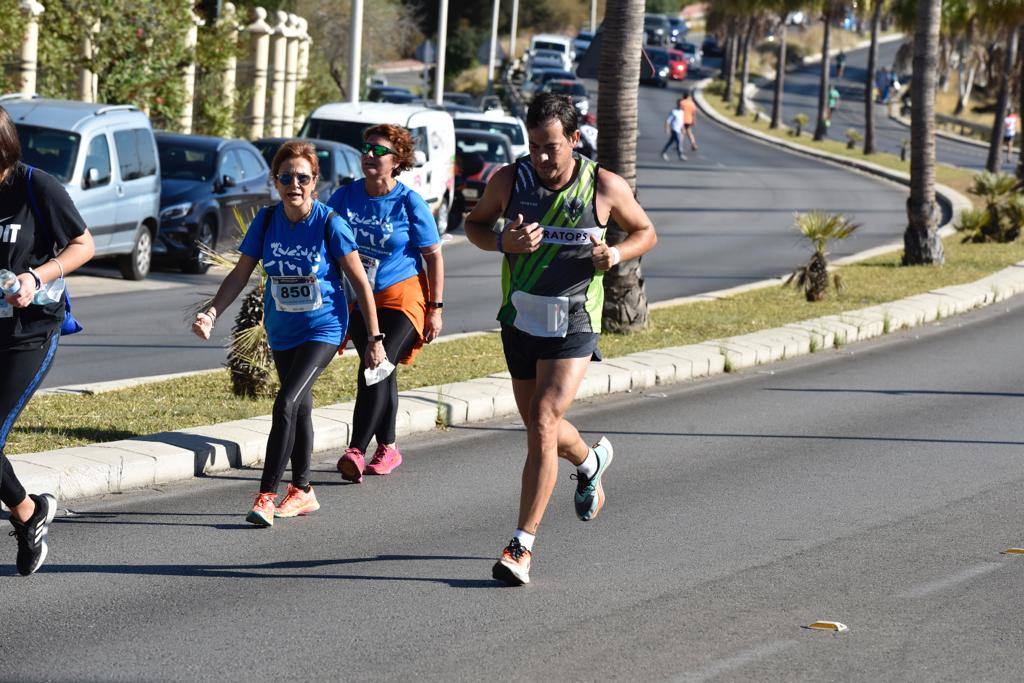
(377, 405)
(291, 434)
(23, 371)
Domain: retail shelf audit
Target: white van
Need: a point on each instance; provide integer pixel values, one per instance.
(433, 176)
(560, 44)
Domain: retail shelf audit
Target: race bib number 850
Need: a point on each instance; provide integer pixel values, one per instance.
(296, 294)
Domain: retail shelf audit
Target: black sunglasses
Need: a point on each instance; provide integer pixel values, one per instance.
(378, 150)
(286, 179)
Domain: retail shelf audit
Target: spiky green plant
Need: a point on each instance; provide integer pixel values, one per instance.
(1004, 210)
(819, 228)
(853, 136)
(800, 120)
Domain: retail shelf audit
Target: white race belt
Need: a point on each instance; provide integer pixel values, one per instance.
(577, 236)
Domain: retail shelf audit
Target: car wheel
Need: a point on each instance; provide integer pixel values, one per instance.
(135, 266)
(442, 216)
(207, 235)
(457, 213)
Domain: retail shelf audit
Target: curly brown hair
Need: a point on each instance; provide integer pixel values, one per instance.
(401, 141)
(295, 149)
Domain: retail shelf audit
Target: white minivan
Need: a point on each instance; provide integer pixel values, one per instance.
(560, 44)
(433, 176)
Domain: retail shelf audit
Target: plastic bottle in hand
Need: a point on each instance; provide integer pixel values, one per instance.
(9, 283)
(49, 293)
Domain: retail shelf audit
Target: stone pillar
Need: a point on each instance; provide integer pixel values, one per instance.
(291, 75)
(279, 64)
(259, 32)
(189, 77)
(228, 19)
(305, 41)
(87, 80)
(30, 47)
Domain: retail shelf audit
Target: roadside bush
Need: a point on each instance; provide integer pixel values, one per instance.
(819, 228)
(1001, 219)
(799, 121)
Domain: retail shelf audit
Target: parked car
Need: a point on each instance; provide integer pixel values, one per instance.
(657, 29)
(581, 43)
(106, 158)
(556, 43)
(339, 163)
(546, 61)
(462, 98)
(433, 175)
(679, 28)
(537, 80)
(478, 156)
(391, 93)
(692, 52)
(661, 72)
(205, 180)
(711, 47)
(511, 127)
(574, 90)
(678, 66)
(492, 104)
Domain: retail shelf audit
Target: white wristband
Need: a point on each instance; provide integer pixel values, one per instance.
(616, 256)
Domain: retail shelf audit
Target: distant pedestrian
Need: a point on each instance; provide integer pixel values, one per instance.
(840, 64)
(689, 118)
(674, 128)
(833, 101)
(42, 238)
(1009, 132)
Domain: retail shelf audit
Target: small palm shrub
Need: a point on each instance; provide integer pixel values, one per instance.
(1003, 216)
(799, 121)
(819, 228)
(853, 136)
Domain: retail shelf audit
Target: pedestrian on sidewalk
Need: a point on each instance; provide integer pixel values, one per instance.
(689, 118)
(304, 247)
(833, 101)
(1009, 132)
(840, 64)
(558, 206)
(400, 249)
(42, 238)
(674, 129)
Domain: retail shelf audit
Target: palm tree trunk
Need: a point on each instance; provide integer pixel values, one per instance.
(921, 243)
(625, 304)
(869, 82)
(727, 62)
(741, 107)
(1020, 110)
(992, 165)
(822, 128)
(780, 73)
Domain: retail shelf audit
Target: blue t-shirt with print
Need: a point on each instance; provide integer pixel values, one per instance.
(297, 249)
(391, 229)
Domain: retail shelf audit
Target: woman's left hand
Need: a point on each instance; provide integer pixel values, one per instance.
(24, 296)
(432, 326)
(375, 354)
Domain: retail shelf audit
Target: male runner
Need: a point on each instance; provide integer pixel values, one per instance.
(558, 205)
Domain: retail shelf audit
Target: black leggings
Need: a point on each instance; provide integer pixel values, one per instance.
(291, 434)
(377, 405)
(23, 371)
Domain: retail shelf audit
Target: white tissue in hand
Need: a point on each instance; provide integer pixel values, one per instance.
(379, 373)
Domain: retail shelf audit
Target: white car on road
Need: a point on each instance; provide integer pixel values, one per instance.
(510, 126)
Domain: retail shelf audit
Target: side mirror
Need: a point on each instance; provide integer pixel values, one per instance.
(92, 176)
(228, 181)
(420, 157)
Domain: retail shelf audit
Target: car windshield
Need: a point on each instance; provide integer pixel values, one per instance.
(561, 88)
(655, 22)
(659, 57)
(349, 132)
(511, 130)
(54, 151)
(491, 151)
(268, 150)
(689, 49)
(557, 75)
(182, 162)
(548, 47)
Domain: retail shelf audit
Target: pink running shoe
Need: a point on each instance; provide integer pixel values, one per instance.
(385, 460)
(351, 465)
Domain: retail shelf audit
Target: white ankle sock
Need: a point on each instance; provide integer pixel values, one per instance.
(589, 466)
(526, 540)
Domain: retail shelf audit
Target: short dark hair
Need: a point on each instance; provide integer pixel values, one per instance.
(10, 146)
(548, 106)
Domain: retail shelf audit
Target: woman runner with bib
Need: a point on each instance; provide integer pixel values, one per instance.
(304, 247)
(396, 234)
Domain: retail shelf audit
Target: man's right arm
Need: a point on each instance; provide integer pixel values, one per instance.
(479, 225)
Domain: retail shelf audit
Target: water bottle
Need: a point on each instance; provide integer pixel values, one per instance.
(9, 283)
(49, 293)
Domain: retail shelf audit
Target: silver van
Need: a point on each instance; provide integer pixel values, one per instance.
(106, 157)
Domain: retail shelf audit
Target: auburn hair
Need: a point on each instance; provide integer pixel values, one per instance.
(401, 141)
(10, 147)
(296, 149)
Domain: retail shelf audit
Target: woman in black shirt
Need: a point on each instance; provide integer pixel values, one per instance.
(38, 243)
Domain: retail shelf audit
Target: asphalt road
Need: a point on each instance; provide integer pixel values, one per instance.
(801, 96)
(873, 485)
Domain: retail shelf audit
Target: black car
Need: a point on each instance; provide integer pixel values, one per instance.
(339, 163)
(711, 47)
(206, 185)
(661, 72)
(657, 29)
(679, 28)
(461, 98)
(391, 93)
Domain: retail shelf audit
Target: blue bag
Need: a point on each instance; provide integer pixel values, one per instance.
(69, 325)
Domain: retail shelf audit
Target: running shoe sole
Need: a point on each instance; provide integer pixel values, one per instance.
(259, 520)
(588, 510)
(511, 575)
(312, 507)
(372, 469)
(44, 548)
(350, 471)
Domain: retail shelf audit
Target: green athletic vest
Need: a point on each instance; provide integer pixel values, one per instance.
(562, 265)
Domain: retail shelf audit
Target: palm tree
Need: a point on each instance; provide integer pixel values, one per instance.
(625, 305)
(819, 228)
(921, 243)
(1002, 103)
(869, 79)
(830, 10)
(748, 33)
(783, 8)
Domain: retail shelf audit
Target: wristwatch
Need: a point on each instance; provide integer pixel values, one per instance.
(435, 304)
(377, 337)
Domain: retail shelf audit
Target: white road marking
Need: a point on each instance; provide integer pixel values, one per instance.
(741, 658)
(950, 581)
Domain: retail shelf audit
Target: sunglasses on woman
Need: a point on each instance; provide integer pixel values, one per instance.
(378, 150)
(287, 178)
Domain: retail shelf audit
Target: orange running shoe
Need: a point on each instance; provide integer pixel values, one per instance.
(351, 465)
(385, 460)
(262, 513)
(514, 566)
(297, 502)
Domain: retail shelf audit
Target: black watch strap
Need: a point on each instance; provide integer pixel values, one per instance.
(377, 337)
(435, 304)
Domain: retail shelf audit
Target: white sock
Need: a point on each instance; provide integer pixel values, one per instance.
(588, 467)
(526, 540)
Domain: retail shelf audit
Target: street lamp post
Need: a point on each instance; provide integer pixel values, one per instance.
(512, 32)
(492, 54)
(442, 42)
(355, 51)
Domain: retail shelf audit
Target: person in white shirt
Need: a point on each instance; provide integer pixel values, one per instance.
(674, 128)
(1009, 132)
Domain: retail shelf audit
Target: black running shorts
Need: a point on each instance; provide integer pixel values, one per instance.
(522, 351)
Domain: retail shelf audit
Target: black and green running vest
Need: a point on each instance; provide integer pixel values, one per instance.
(562, 266)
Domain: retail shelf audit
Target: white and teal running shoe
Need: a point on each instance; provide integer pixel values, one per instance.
(589, 492)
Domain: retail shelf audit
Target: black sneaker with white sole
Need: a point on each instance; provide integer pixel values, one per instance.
(32, 534)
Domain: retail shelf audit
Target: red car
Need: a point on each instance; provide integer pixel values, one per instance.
(478, 155)
(678, 66)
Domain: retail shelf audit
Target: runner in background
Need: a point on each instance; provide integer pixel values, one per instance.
(689, 117)
(558, 205)
(401, 252)
(1010, 123)
(304, 247)
(674, 130)
(42, 238)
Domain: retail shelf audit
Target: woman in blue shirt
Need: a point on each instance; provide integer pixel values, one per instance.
(401, 251)
(304, 247)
